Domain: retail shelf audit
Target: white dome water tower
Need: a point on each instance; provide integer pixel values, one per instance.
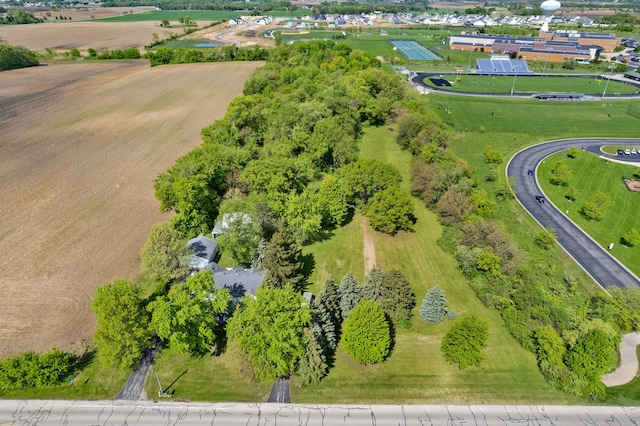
(548, 8)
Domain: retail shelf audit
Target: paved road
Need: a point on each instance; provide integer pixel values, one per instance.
(280, 392)
(107, 413)
(132, 390)
(593, 258)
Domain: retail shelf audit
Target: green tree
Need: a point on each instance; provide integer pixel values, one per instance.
(561, 174)
(572, 193)
(631, 238)
(373, 287)
(492, 156)
(366, 334)
(14, 57)
(546, 238)
(187, 316)
(464, 342)
(332, 196)
(489, 262)
(330, 298)
(122, 331)
(165, 256)
(283, 262)
(270, 328)
(595, 208)
(365, 177)
(397, 299)
(573, 152)
(350, 294)
(434, 306)
(29, 369)
(391, 210)
(313, 364)
(241, 238)
(592, 355)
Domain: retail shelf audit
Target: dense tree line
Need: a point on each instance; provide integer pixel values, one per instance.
(14, 57)
(279, 147)
(164, 55)
(31, 369)
(19, 16)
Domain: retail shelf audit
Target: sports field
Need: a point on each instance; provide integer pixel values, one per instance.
(536, 84)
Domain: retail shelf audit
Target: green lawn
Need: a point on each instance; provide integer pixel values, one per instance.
(509, 124)
(416, 372)
(202, 379)
(535, 84)
(590, 174)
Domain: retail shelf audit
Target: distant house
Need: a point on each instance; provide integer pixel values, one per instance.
(221, 226)
(204, 250)
(234, 21)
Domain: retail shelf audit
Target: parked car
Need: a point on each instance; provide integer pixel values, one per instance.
(621, 152)
(634, 151)
(540, 199)
(627, 152)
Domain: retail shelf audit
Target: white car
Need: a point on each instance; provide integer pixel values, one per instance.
(634, 151)
(627, 152)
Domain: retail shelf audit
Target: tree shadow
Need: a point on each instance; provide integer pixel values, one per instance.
(308, 265)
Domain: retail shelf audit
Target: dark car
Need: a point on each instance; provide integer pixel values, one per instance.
(530, 172)
(540, 198)
(621, 152)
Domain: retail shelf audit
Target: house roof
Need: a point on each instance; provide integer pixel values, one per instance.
(239, 281)
(203, 247)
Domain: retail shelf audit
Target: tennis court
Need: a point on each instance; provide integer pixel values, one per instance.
(414, 51)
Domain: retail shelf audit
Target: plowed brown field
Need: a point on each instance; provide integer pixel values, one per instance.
(80, 145)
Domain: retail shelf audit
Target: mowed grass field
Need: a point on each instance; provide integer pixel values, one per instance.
(591, 174)
(416, 371)
(175, 15)
(535, 84)
(509, 124)
(81, 145)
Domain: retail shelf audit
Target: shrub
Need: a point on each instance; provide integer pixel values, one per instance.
(464, 342)
(595, 208)
(546, 238)
(434, 306)
(366, 335)
(631, 238)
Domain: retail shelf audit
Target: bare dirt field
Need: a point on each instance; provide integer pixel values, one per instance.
(83, 35)
(80, 145)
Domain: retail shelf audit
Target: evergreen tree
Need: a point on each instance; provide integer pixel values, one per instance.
(349, 292)
(330, 299)
(397, 299)
(373, 288)
(313, 365)
(434, 306)
(282, 260)
(324, 330)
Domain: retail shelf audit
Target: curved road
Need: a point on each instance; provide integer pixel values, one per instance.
(593, 258)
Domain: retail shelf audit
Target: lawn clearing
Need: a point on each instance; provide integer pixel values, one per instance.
(536, 84)
(591, 174)
(416, 371)
(174, 15)
(202, 379)
(524, 121)
(82, 144)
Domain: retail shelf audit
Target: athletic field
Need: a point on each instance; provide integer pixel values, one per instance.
(536, 84)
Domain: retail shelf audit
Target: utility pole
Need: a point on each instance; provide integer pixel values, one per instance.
(611, 68)
(161, 392)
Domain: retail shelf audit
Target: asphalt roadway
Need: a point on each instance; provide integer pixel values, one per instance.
(592, 257)
(280, 392)
(112, 413)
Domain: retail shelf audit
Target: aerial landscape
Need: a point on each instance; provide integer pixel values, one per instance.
(349, 204)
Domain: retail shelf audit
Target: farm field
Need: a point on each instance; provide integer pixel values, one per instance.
(591, 174)
(83, 35)
(535, 84)
(81, 145)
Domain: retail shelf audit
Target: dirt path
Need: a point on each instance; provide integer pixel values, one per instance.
(80, 145)
(369, 247)
(628, 368)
